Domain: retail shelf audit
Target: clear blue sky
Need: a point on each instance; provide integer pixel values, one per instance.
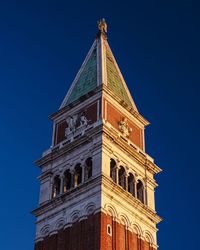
(156, 44)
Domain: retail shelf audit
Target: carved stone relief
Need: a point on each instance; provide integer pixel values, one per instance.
(124, 128)
(75, 123)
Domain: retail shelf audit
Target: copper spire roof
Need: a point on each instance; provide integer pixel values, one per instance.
(99, 67)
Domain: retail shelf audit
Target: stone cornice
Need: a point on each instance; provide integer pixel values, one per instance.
(118, 191)
(75, 103)
(99, 89)
(140, 156)
(70, 195)
(45, 175)
(94, 182)
(62, 149)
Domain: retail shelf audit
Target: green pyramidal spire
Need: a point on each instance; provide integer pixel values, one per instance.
(87, 80)
(114, 81)
(99, 68)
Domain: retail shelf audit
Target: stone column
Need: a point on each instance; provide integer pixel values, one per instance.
(62, 183)
(126, 181)
(145, 194)
(135, 186)
(72, 180)
(117, 174)
(83, 173)
(51, 189)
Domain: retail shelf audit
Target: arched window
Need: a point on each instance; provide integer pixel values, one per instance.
(56, 187)
(122, 177)
(140, 191)
(67, 180)
(88, 168)
(77, 175)
(113, 170)
(131, 184)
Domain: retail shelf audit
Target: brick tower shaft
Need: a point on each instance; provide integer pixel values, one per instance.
(97, 182)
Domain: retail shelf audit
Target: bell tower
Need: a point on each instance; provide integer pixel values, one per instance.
(97, 182)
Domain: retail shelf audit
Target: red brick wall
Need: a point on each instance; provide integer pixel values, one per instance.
(91, 234)
(122, 239)
(90, 113)
(114, 117)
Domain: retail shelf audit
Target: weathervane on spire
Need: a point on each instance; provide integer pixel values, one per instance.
(102, 26)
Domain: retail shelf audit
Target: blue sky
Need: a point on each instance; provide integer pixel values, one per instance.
(156, 44)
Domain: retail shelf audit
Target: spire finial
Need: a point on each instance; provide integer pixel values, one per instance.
(102, 26)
